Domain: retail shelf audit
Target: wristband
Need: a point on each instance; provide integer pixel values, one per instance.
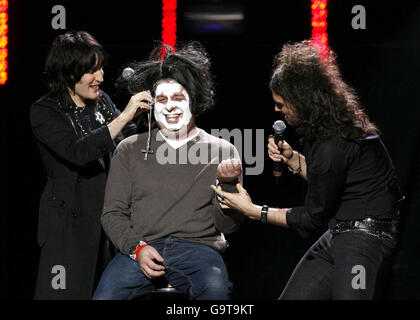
(264, 211)
(135, 254)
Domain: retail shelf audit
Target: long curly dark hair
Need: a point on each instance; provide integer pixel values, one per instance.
(311, 83)
(188, 65)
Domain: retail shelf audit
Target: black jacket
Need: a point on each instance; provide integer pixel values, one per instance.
(348, 179)
(69, 228)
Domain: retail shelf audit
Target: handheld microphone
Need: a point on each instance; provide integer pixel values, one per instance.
(278, 127)
(127, 73)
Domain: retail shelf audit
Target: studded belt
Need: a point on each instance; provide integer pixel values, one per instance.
(378, 228)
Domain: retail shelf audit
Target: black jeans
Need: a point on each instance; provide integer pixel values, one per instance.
(340, 266)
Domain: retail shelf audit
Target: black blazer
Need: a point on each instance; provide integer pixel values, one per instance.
(71, 203)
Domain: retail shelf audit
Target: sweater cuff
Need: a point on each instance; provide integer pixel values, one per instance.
(133, 246)
(229, 186)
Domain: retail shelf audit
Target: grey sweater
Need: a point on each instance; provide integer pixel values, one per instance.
(168, 194)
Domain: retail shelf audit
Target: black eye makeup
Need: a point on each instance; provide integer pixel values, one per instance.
(161, 99)
(178, 97)
(279, 105)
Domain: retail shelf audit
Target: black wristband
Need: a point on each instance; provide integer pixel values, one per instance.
(264, 211)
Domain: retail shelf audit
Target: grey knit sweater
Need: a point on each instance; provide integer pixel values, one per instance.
(168, 194)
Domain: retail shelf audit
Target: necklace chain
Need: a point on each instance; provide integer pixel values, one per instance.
(74, 114)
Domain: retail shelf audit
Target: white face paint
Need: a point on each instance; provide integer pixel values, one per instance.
(172, 105)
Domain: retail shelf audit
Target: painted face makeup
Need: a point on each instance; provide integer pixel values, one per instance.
(172, 105)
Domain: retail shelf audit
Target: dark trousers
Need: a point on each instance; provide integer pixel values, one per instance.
(195, 269)
(340, 266)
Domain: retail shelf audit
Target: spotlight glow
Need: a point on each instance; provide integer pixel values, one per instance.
(3, 41)
(319, 24)
(169, 24)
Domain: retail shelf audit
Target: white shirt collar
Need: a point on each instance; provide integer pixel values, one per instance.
(179, 143)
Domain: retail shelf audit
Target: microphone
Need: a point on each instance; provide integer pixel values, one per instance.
(127, 73)
(278, 127)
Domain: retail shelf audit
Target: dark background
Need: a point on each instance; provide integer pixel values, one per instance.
(382, 63)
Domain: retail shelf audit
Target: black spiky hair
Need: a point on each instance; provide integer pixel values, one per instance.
(188, 65)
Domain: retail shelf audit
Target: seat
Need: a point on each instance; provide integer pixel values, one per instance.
(168, 293)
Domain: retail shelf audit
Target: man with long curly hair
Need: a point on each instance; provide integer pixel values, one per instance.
(159, 211)
(352, 185)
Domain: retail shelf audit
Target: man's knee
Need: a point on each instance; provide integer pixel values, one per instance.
(103, 295)
(214, 285)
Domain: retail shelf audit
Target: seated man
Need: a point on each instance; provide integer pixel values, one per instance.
(159, 210)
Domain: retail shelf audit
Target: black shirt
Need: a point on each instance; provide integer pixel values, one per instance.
(89, 121)
(347, 180)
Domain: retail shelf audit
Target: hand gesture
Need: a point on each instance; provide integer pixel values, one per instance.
(140, 102)
(151, 262)
(229, 170)
(240, 201)
(282, 152)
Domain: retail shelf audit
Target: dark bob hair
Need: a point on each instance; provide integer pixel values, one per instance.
(311, 83)
(71, 56)
(188, 65)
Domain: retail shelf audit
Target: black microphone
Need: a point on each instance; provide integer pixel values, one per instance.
(279, 127)
(127, 73)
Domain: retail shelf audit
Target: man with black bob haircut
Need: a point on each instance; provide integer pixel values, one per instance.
(76, 127)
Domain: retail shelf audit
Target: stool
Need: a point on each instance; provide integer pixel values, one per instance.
(168, 293)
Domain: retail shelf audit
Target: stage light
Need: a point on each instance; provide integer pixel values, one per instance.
(209, 18)
(168, 24)
(319, 25)
(3, 41)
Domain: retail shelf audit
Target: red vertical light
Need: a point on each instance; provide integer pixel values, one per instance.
(319, 25)
(168, 24)
(3, 41)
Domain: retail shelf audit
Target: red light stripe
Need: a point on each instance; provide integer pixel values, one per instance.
(169, 24)
(319, 24)
(3, 41)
